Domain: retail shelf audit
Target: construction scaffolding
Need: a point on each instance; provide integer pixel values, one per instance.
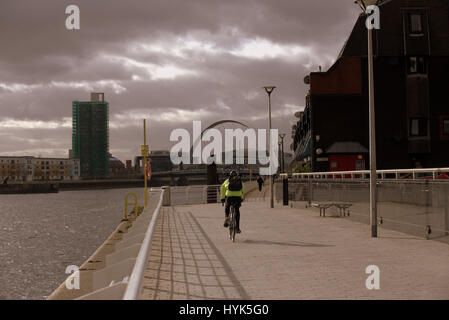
(90, 136)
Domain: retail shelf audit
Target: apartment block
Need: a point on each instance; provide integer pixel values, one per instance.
(27, 168)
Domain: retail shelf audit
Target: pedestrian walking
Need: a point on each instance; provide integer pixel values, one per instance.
(260, 182)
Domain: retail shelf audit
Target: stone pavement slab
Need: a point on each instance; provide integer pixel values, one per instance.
(287, 253)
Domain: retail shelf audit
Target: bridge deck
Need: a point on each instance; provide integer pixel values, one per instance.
(287, 253)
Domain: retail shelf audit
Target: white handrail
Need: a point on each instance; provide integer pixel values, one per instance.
(135, 280)
(362, 173)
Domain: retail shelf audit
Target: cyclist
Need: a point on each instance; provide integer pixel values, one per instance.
(232, 191)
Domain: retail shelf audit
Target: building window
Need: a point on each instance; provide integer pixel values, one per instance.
(416, 23)
(418, 127)
(417, 65)
(360, 165)
(446, 127)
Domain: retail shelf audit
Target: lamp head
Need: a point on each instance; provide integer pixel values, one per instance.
(282, 135)
(269, 89)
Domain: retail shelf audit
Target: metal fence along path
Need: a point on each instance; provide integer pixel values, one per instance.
(416, 206)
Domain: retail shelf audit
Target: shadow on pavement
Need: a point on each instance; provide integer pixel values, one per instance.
(289, 244)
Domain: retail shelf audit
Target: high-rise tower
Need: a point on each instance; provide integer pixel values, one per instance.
(90, 136)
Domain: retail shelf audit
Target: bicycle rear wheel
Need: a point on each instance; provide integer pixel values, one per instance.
(232, 224)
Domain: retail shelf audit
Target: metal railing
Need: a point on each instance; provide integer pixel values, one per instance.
(413, 201)
(135, 280)
(121, 278)
(201, 194)
(412, 174)
(194, 195)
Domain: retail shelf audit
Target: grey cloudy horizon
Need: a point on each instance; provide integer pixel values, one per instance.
(170, 62)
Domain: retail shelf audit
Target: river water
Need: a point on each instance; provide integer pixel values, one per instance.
(42, 234)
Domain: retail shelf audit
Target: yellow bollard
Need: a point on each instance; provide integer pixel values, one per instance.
(135, 204)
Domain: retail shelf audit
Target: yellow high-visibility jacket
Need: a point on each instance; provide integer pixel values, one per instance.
(225, 192)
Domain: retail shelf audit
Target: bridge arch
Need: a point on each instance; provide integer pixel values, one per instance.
(213, 125)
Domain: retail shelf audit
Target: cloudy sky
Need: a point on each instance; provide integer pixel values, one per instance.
(170, 61)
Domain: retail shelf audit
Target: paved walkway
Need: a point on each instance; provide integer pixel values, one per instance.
(185, 265)
(287, 253)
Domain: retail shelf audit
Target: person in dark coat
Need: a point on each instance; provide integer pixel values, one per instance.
(260, 182)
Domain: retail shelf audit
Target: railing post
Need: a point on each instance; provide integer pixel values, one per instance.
(285, 191)
(167, 196)
(309, 194)
(446, 212)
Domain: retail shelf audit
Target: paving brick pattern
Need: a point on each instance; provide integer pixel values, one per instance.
(184, 265)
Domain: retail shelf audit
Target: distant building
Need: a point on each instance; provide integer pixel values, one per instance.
(411, 64)
(160, 160)
(90, 136)
(38, 169)
(129, 166)
(116, 167)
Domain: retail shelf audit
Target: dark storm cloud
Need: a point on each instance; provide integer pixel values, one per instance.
(171, 61)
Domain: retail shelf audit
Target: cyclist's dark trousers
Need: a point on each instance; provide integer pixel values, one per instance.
(260, 186)
(237, 201)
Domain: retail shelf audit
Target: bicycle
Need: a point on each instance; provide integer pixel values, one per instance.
(232, 222)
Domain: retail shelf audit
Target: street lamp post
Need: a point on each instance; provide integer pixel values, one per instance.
(269, 90)
(280, 157)
(145, 154)
(364, 4)
(282, 135)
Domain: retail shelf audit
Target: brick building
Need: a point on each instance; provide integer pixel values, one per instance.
(411, 67)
